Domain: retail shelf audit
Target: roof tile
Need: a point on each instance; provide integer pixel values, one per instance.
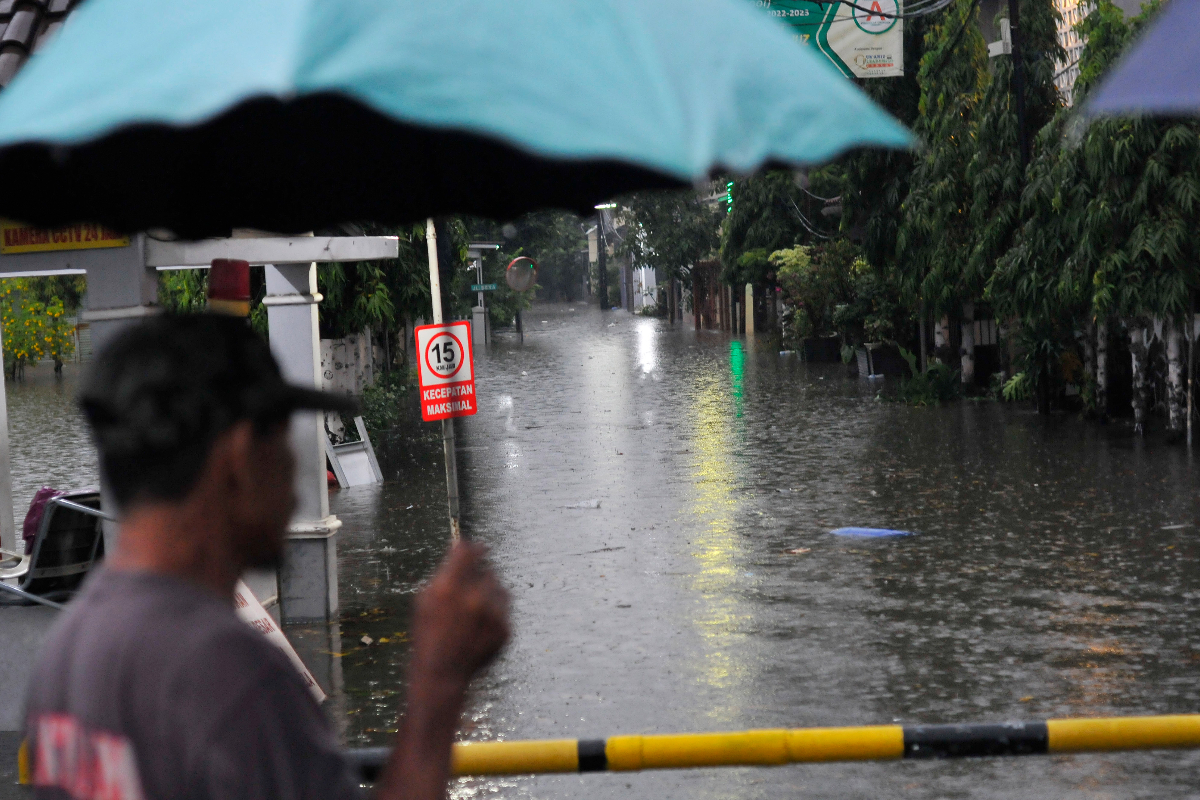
(10, 62)
(22, 28)
(59, 6)
(48, 29)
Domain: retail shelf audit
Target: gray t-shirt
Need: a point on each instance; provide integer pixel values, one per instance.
(150, 687)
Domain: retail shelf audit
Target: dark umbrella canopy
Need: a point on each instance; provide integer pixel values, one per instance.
(201, 115)
(1161, 74)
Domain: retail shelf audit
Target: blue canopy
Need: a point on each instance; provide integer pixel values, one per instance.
(1161, 73)
(201, 114)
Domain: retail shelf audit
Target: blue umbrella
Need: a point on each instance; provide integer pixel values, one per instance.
(200, 115)
(1159, 75)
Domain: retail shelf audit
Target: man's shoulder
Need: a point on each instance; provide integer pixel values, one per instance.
(153, 632)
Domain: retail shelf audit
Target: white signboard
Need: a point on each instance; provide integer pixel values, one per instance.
(251, 612)
(446, 374)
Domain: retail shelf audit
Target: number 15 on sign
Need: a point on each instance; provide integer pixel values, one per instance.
(446, 371)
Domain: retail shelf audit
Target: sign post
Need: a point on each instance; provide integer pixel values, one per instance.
(447, 374)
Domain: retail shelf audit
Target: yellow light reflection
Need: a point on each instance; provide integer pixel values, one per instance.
(718, 550)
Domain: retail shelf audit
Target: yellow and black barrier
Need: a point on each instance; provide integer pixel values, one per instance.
(801, 745)
(763, 748)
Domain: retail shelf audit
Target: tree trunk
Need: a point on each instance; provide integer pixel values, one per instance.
(1043, 390)
(921, 334)
(967, 351)
(1102, 369)
(1175, 388)
(1089, 353)
(941, 338)
(1137, 352)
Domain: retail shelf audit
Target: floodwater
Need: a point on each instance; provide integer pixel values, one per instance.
(1052, 572)
(48, 436)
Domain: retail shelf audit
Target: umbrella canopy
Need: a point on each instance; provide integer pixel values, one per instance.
(1161, 74)
(286, 115)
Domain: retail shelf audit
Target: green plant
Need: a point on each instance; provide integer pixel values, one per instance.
(936, 385)
(382, 402)
(847, 353)
(1018, 387)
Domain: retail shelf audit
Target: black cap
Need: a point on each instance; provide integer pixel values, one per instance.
(176, 379)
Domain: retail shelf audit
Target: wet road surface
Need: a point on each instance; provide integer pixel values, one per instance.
(1052, 574)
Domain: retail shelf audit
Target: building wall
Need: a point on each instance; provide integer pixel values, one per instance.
(1072, 12)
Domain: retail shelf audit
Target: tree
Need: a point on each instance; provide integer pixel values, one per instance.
(671, 230)
(935, 233)
(33, 329)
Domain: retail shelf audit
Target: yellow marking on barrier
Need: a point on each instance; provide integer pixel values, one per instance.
(846, 744)
(515, 758)
(1123, 733)
(675, 751)
(23, 777)
(754, 748)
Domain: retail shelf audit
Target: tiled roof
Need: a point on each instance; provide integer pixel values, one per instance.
(25, 25)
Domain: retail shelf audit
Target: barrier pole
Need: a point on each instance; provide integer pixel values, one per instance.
(808, 745)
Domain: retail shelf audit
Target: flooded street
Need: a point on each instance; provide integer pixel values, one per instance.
(1051, 574)
(659, 502)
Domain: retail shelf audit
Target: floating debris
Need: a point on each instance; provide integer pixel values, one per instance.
(367, 640)
(869, 533)
(798, 551)
(585, 504)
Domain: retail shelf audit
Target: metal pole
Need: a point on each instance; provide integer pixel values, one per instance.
(8, 527)
(1191, 336)
(808, 745)
(601, 261)
(1018, 80)
(435, 291)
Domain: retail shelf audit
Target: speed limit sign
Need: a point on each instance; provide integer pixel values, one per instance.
(446, 372)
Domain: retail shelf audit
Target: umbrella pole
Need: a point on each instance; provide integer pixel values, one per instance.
(435, 292)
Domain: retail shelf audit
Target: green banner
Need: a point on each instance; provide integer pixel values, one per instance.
(863, 40)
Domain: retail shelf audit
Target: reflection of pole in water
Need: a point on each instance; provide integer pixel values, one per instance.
(737, 368)
(435, 293)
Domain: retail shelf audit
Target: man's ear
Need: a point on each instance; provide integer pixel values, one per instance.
(233, 453)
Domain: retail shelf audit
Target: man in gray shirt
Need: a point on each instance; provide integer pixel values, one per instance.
(150, 687)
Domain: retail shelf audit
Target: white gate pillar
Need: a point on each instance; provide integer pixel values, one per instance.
(121, 290)
(308, 578)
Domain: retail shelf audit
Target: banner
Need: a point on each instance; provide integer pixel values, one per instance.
(17, 237)
(863, 39)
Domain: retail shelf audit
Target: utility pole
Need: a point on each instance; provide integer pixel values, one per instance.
(1018, 80)
(448, 444)
(601, 261)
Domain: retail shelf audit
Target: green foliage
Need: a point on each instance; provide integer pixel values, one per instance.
(35, 325)
(936, 385)
(383, 401)
(381, 295)
(835, 290)
(774, 211)
(183, 291)
(554, 239)
(994, 173)
(671, 231)
(1017, 388)
(936, 232)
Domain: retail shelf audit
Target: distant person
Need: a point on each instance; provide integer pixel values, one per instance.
(149, 686)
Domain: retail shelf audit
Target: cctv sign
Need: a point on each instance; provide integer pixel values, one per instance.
(446, 373)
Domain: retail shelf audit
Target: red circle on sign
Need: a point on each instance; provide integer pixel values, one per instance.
(461, 359)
